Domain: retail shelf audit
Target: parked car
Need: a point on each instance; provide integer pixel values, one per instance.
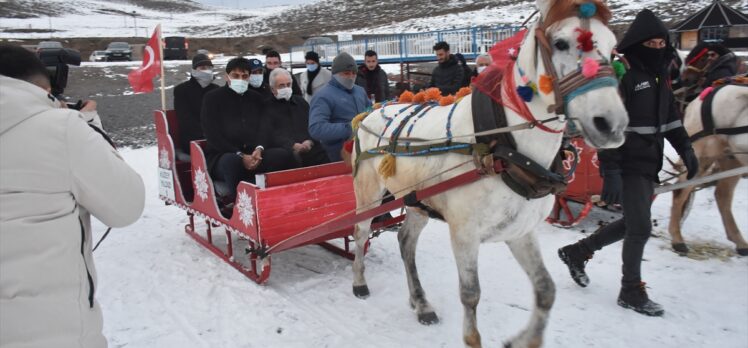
(98, 56)
(175, 47)
(118, 51)
(43, 45)
(205, 52)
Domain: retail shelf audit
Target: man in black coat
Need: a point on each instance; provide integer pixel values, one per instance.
(240, 138)
(373, 78)
(631, 171)
(290, 115)
(272, 61)
(188, 102)
(448, 76)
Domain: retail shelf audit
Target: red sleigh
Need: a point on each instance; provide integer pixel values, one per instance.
(268, 216)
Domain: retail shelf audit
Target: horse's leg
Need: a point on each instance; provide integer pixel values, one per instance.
(465, 250)
(526, 251)
(723, 194)
(681, 200)
(415, 220)
(366, 184)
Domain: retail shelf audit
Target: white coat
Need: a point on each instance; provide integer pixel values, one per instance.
(54, 170)
(323, 77)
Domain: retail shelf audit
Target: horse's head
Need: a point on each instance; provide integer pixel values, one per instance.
(575, 45)
(699, 61)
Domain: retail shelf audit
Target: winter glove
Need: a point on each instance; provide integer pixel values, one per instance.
(691, 162)
(612, 188)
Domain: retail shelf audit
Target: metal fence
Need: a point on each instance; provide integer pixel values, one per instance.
(410, 47)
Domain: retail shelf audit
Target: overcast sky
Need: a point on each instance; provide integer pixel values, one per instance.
(252, 3)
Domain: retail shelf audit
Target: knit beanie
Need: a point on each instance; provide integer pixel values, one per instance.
(343, 62)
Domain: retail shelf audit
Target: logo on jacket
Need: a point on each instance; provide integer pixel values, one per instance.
(641, 85)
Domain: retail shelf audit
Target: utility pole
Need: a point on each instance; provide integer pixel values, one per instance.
(135, 22)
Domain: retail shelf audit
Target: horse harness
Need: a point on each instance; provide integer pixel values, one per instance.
(707, 119)
(495, 149)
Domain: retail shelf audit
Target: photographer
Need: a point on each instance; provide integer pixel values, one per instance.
(54, 170)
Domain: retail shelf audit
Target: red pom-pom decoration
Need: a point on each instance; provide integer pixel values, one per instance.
(585, 40)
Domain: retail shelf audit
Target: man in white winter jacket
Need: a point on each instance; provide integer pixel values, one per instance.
(54, 170)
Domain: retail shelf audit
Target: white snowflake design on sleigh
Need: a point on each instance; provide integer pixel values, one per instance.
(201, 184)
(246, 209)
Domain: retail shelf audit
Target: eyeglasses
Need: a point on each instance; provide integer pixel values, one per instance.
(655, 43)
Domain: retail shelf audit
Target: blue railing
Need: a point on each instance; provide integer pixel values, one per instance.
(409, 47)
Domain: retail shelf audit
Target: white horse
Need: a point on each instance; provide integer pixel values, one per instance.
(721, 152)
(488, 210)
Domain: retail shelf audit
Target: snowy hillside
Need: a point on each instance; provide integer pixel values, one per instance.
(99, 18)
(158, 288)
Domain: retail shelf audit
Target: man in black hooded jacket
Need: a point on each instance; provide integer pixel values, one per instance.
(630, 171)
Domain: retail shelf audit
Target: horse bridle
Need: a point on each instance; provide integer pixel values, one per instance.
(575, 83)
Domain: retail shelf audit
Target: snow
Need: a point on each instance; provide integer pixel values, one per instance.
(158, 288)
(96, 18)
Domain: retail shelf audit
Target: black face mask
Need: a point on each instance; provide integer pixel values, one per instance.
(652, 58)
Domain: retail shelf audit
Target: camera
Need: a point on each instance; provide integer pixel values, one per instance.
(57, 60)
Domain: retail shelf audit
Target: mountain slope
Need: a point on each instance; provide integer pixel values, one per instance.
(97, 18)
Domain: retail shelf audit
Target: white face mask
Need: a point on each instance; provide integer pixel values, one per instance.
(239, 86)
(311, 67)
(256, 80)
(481, 68)
(284, 93)
(203, 77)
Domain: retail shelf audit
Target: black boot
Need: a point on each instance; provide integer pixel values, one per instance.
(636, 298)
(575, 256)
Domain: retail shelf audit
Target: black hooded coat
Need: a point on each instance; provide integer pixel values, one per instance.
(649, 101)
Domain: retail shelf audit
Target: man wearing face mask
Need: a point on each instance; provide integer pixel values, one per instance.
(481, 63)
(333, 108)
(314, 78)
(257, 78)
(631, 171)
(240, 140)
(188, 102)
(290, 115)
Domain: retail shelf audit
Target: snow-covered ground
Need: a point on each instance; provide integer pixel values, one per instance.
(158, 288)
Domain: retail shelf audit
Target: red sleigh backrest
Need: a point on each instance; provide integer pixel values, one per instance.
(166, 129)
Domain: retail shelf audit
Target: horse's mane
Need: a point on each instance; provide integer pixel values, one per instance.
(716, 47)
(562, 9)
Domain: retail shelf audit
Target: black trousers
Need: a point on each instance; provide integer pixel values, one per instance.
(634, 228)
(313, 157)
(230, 168)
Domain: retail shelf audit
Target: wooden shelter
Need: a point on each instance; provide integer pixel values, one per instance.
(714, 23)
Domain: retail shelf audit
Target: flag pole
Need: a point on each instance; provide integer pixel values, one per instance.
(161, 63)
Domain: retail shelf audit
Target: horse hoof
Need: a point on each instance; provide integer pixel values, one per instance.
(361, 291)
(742, 251)
(429, 318)
(680, 248)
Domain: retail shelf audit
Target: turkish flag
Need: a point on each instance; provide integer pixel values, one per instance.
(141, 79)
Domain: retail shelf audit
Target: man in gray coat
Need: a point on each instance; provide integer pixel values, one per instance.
(55, 172)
